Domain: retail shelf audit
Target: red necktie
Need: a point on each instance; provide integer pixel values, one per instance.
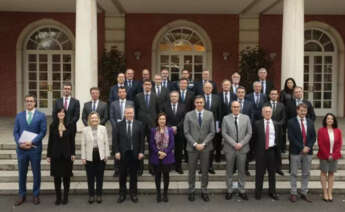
(303, 132)
(267, 135)
(65, 104)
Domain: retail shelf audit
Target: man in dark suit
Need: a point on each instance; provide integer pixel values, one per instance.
(145, 74)
(117, 114)
(226, 97)
(302, 137)
(147, 109)
(128, 147)
(267, 151)
(34, 121)
(298, 99)
(279, 116)
(266, 85)
(161, 92)
(132, 86)
(113, 91)
(247, 108)
(186, 95)
(199, 86)
(95, 105)
(71, 105)
(175, 112)
(258, 99)
(166, 83)
(213, 104)
(235, 81)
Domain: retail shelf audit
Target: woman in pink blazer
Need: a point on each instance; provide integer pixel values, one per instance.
(330, 142)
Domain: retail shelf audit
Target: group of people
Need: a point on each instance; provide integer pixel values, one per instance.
(182, 120)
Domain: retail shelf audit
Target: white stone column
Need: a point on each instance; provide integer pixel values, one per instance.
(86, 61)
(293, 41)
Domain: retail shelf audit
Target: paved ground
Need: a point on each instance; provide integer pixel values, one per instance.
(147, 203)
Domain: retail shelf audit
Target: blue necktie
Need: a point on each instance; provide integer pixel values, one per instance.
(147, 100)
(199, 119)
(208, 102)
(94, 106)
(182, 96)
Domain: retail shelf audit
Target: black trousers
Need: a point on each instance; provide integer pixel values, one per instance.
(217, 147)
(179, 147)
(159, 171)
(66, 184)
(268, 162)
(128, 165)
(95, 170)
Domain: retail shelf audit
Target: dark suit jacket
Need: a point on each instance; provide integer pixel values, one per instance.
(171, 85)
(188, 100)
(257, 107)
(115, 111)
(113, 93)
(226, 108)
(163, 97)
(269, 87)
(260, 140)
(121, 143)
(291, 110)
(102, 110)
(216, 107)
(198, 88)
(132, 91)
(60, 146)
(175, 119)
(73, 112)
(147, 115)
(279, 115)
(295, 136)
(140, 84)
(248, 109)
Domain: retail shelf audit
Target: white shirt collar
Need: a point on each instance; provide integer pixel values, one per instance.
(197, 112)
(33, 111)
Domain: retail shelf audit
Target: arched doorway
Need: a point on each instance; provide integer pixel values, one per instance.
(182, 45)
(48, 62)
(320, 71)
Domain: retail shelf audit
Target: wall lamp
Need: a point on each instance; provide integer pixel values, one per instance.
(226, 55)
(137, 55)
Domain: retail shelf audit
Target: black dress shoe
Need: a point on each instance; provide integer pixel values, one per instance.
(140, 172)
(191, 197)
(36, 200)
(134, 198)
(228, 196)
(179, 170)
(121, 198)
(20, 201)
(91, 199)
(274, 196)
(306, 198)
(199, 171)
(257, 196)
(159, 197)
(99, 199)
(205, 197)
(211, 170)
(280, 172)
(165, 198)
(116, 173)
(243, 196)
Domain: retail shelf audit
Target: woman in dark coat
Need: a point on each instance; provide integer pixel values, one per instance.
(61, 154)
(162, 155)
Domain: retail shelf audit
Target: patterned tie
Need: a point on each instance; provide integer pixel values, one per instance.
(66, 104)
(29, 118)
(267, 135)
(304, 136)
(199, 119)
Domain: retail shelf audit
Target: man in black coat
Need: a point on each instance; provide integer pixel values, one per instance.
(175, 112)
(95, 105)
(267, 151)
(161, 92)
(199, 86)
(146, 75)
(213, 104)
(146, 110)
(120, 82)
(132, 86)
(166, 83)
(128, 147)
(266, 85)
(186, 95)
(258, 99)
(226, 97)
(298, 99)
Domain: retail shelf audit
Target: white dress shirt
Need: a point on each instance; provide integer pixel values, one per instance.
(96, 104)
(27, 114)
(272, 135)
(331, 140)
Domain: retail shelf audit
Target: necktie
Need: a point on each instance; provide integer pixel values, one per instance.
(147, 100)
(121, 108)
(182, 96)
(93, 106)
(241, 103)
(208, 102)
(158, 91)
(130, 83)
(129, 133)
(257, 98)
(304, 136)
(236, 127)
(226, 98)
(263, 87)
(199, 119)
(29, 118)
(174, 108)
(267, 135)
(274, 107)
(165, 84)
(66, 104)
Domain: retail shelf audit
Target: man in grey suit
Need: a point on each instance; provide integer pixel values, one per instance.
(117, 111)
(199, 130)
(95, 105)
(236, 131)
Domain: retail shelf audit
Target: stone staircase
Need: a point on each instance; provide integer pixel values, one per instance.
(9, 172)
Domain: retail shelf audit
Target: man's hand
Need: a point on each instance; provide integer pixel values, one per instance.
(305, 150)
(238, 146)
(83, 161)
(73, 157)
(48, 159)
(140, 156)
(200, 147)
(118, 156)
(174, 129)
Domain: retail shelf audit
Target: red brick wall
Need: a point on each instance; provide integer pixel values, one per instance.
(11, 25)
(223, 31)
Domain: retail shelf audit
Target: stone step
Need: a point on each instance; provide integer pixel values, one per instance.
(13, 165)
(80, 176)
(215, 187)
